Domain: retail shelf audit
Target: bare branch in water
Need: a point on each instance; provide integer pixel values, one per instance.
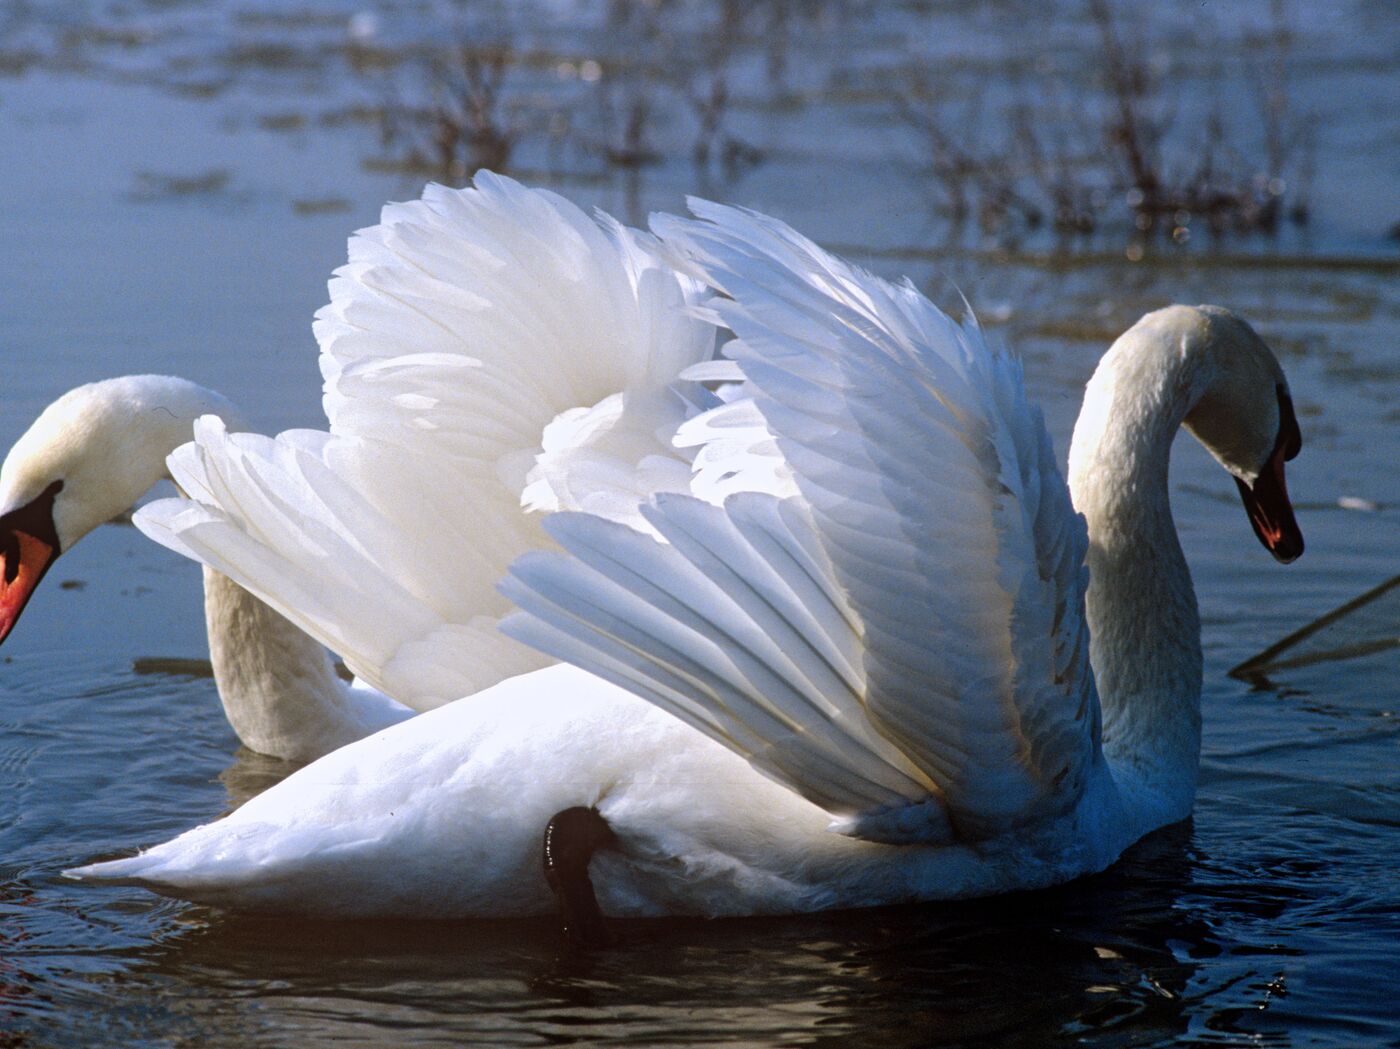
(1122, 143)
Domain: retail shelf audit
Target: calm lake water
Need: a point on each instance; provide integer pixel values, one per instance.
(177, 180)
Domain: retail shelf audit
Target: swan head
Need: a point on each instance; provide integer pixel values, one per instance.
(86, 459)
(1244, 417)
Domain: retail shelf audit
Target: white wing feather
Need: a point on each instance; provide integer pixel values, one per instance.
(955, 678)
(481, 347)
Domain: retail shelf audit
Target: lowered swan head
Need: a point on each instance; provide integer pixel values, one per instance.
(1204, 368)
(1245, 419)
(87, 458)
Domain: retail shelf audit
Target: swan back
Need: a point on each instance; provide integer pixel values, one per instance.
(927, 580)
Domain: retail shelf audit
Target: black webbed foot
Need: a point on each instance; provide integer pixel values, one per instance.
(570, 839)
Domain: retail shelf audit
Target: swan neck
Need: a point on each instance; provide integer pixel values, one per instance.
(278, 685)
(1144, 625)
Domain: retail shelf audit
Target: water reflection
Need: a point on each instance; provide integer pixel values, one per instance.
(252, 773)
(1120, 953)
(1198, 934)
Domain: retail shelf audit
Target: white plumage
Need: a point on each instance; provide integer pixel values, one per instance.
(87, 458)
(929, 499)
(870, 608)
(481, 346)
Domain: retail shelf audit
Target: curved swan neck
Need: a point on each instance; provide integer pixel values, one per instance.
(278, 686)
(1144, 626)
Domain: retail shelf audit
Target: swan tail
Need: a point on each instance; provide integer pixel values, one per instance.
(213, 865)
(142, 869)
(206, 856)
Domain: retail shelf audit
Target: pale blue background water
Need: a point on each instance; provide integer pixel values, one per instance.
(1272, 918)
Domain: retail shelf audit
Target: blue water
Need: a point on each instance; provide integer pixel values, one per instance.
(1271, 918)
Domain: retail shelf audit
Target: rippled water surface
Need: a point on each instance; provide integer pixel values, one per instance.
(174, 191)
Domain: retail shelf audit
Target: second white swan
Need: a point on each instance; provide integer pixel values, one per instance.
(488, 354)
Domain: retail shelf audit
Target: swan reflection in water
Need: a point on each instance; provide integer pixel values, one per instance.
(1169, 939)
(1121, 950)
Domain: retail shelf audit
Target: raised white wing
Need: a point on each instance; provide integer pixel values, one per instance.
(904, 643)
(482, 348)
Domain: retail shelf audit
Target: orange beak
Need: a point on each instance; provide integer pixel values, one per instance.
(26, 559)
(28, 546)
(1266, 500)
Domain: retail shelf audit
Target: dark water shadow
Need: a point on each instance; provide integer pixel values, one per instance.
(1120, 952)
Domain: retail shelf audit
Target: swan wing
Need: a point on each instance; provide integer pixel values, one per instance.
(904, 642)
(484, 349)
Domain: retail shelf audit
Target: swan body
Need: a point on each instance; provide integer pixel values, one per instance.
(870, 613)
(88, 457)
(441, 817)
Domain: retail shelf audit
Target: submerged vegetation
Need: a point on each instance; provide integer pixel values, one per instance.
(1084, 125)
(1101, 141)
(660, 85)
(1122, 148)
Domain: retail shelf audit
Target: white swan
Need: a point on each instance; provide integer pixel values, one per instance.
(86, 459)
(885, 622)
(479, 346)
